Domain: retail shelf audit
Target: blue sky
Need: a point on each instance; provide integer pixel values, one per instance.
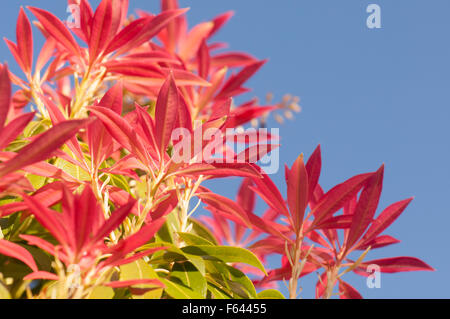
(369, 96)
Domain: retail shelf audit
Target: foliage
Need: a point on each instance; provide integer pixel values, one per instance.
(93, 204)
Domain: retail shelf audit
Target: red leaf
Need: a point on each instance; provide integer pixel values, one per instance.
(194, 39)
(56, 29)
(14, 129)
(129, 283)
(236, 81)
(24, 41)
(121, 130)
(270, 194)
(43, 146)
(5, 94)
(86, 16)
(119, 16)
(128, 245)
(165, 207)
(84, 211)
(226, 205)
(48, 218)
(135, 68)
(184, 117)
(45, 54)
(346, 291)
(41, 275)
(221, 109)
(101, 26)
(127, 34)
(218, 169)
(246, 197)
(336, 222)
(313, 167)
(378, 242)
(15, 251)
(184, 77)
(137, 256)
(321, 285)
(100, 143)
(148, 128)
(47, 195)
(167, 106)
(232, 59)
(39, 242)
(175, 29)
(255, 153)
(396, 264)
(242, 115)
(114, 98)
(117, 217)
(365, 208)
(297, 192)
(204, 60)
(336, 197)
(141, 30)
(386, 218)
(219, 21)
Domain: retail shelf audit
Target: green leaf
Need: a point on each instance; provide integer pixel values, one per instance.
(270, 294)
(141, 187)
(174, 254)
(164, 234)
(192, 239)
(36, 181)
(238, 277)
(43, 260)
(217, 292)
(225, 254)
(140, 270)
(101, 292)
(226, 284)
(35, 127)
(178, 291)
(200, 230)
(189, 276)
(4, 292)
(73, 170)
(217, 273)
(13, 268)
(121, 182)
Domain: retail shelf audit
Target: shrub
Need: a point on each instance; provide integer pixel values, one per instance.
(104, 146)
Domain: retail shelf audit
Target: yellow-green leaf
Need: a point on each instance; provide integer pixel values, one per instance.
(4, 293)
(189, 276)
(270, 294)
(238, 277)
(217, 292)
(140, 270)
(73, 170)
(225, 254)
(178, 291)
(36, 181)
(192, 239)
(101, 292)
(200, 230)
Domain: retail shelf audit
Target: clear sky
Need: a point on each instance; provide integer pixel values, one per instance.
(369, 96)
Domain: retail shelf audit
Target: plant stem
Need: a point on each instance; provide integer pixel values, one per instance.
(297, 266)
(332, 276)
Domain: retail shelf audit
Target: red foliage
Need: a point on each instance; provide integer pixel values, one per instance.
(108, 95)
